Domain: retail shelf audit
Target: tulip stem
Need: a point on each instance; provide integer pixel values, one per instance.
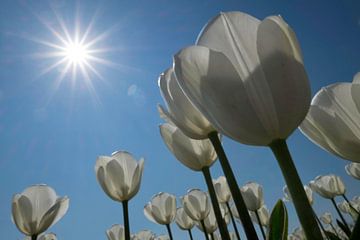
(333, 228)
(220, 220)
(190, 234)
(34, 237)
(340, 215)
(233, 221)
(204, 229)
(347, 200)
(356, 230)
(212, 236)
(169, 231)
(234, 188)
(260, 225)
(321, 225)
(296, 189)
(126, 219)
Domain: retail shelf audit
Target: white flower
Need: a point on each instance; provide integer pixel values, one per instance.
(252, 193)
(353, 169)
(196, 204)
(183, 221)
(328, 186)
(161, 209)
(222, 189)
(116, 232)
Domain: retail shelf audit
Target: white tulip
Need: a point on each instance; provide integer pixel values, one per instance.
(328, 186)
(195, 154)
(252, 193)
(209, 222)
(246, 77)
(333, 120)
(181, 111)
(222, 189)
(264, 216)
(144, 235)
(46, 236)
(326, 218)
(37, 208)
(161, 209)
(196, 204)
(183, 221)
(116, 232)
(162, 237)
(119, 175)
(299, 232)
(308, 192)
(353, 169)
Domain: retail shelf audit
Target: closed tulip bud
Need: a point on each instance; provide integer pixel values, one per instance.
(144, 235)
(209, 222)
(246, 77)
(353, 169)
(196, 204)
(195, 154)
(181, 111)
(328, 186)
(326, 218)
(308, 192)
(252, 193)
(183, 221)
(162, 237)
(264, 216)
(161, 209)
(37, 208)
(119, 175)
(222, 189)
(116, 232)
(332, 121)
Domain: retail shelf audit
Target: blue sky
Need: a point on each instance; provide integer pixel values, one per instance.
(53, 135)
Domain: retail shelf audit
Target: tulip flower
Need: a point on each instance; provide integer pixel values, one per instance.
(299, 233)
(162, 210)
(263, 217)
(46, 236)
(326, 218)
(144, 235)
(350, 208)
(119, 175)
(162, 237)
(116, 232)
(332, 121)
(183, 221)
(353, 169)
(36, 209)
(209, 225)
(198, 155)
(253, 195)
(248, 79)
(232, 236)
(308, 192)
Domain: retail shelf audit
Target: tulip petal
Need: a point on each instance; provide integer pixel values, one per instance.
(107, 187)
(116, 179)
(22, 213)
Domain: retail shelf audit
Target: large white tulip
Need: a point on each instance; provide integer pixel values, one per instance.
(222, 189)
(328, 186)
(116, 232)
(308, 192)
(195, 154)
(247, 77)
(353, 169)
(264, 216)
(326, 218)
(180, 110)
(119, 175)
(144, 235)
(183, 220)
(196, 204)
(161, 209)
(333, 121)
(37, 208)
(252, 193)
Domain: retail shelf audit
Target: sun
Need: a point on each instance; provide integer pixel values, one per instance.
(76, 53)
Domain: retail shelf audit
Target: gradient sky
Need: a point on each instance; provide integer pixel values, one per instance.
(53, 135)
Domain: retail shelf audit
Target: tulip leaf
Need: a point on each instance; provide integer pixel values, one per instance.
(343, 227)
(278, 227)
(332, 236)
(356, 231)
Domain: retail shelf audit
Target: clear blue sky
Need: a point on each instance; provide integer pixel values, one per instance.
(53, 136)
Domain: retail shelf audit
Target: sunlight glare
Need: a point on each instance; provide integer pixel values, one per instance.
(76, 53)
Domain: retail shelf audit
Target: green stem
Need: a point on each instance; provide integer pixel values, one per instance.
(190, 234)
(212, 236)
(204, 229)
(126, 220)
(234, 188)
(347, 200)
(321, 225)
(333, 228)
(220, 220)
(340, 214)
(233, 221)
(169, 231)
(296, 189)
(34, 237)
(356, 231)
(260, 225)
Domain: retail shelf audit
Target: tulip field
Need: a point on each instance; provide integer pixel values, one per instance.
(239, 86)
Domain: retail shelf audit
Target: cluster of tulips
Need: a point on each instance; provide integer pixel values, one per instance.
(244, 79)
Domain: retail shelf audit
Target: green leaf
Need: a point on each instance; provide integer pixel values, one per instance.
(356, 231)
(278, 227)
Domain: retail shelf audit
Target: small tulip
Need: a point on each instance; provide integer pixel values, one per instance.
(195, 154)
(328, 186)
(222, 189)
(161, 209)
(210, 223)
(353, 169)
(37, 208)
(299, 232)
(183, 221)
(46, 236)
(116, 232)
(264, 216)
(196, 204)
(253, 195)
(162, 237)
(326, 218)
(333, 120)
(119, 175)
(308, 192)
(144, 235)
(181, 111)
